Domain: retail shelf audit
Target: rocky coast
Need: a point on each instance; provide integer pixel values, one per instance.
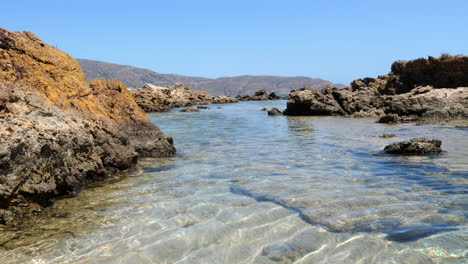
(421, 89)
(58, 131)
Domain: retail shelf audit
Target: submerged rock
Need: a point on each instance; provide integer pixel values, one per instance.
(386, 135)
(189, 109)
(390, 119)
(274, 111)
(58, 131)
(153, 98)
(415, 146)
(418, 88)
(202, 107)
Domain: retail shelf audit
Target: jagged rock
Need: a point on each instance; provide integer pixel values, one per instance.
(274, 111)
(225, 100)
(153, 98)
(273, 96)
(312, 102)
(260, 95)
(189, 109)
(396, 93)
(58, 131)
(415, 146)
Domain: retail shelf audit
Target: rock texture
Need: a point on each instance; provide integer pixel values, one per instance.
(153, 98)
(415, 146)
(260, 95)
(274, 111)
(422, 88)
(59, 132)
(225, 100)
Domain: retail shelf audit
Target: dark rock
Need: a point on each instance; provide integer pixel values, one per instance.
(189, 109)
(274, 111)
(415, 146)
(202, 107)
(390, 119)
(153, 98)
(264, 109)
(386, 135)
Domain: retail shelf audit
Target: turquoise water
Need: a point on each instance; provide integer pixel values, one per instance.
(249, 188)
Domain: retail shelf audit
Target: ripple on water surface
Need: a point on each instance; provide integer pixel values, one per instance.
(249, 188)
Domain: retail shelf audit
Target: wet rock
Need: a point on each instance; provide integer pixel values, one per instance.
(189, 109)
(390, 119)
(413, 233)
(59, 131)
(386, 135)
(153, 98)
(274, 111)
(225, 100)
(264, 109)
(415, 146)
(202, 107)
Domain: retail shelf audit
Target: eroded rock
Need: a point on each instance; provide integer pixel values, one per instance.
(59, 132)
(153, 98)
(415, 146)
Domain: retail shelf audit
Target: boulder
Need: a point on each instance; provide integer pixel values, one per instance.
(59, 132)
(390, 119)
(274, 111)
(415, 146)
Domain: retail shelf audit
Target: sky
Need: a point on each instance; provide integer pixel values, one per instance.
(335, 40)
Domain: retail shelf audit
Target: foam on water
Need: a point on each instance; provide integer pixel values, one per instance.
(249, 188)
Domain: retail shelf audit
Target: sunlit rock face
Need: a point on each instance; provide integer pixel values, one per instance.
(58, 131)
(421, 88)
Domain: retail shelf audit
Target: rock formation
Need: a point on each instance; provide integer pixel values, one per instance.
(153, 98)
(225, 100)
(260, 95)
(274, 111)
(59, 132)
(422, 88)
(415, 146)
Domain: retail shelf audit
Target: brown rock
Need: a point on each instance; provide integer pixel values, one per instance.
(59, 131)
(153, 98)
(225, 100)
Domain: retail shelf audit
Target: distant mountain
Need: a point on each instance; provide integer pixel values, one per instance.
(134, 77)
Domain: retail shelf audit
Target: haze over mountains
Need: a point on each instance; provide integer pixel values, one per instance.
(134, 77)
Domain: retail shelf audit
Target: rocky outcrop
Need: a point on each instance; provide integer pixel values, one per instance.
(59, 132)
(396, 95)
(415, 146)
(274, 111)
(260, 95)
(153, 98)
(224, 100)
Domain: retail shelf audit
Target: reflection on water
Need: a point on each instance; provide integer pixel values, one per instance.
(249, 188)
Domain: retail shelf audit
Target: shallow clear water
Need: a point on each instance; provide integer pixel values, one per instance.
(249, 188)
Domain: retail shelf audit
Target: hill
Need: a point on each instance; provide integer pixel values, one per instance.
(247, 84)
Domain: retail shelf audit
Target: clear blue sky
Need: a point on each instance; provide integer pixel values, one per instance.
(335, 40)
